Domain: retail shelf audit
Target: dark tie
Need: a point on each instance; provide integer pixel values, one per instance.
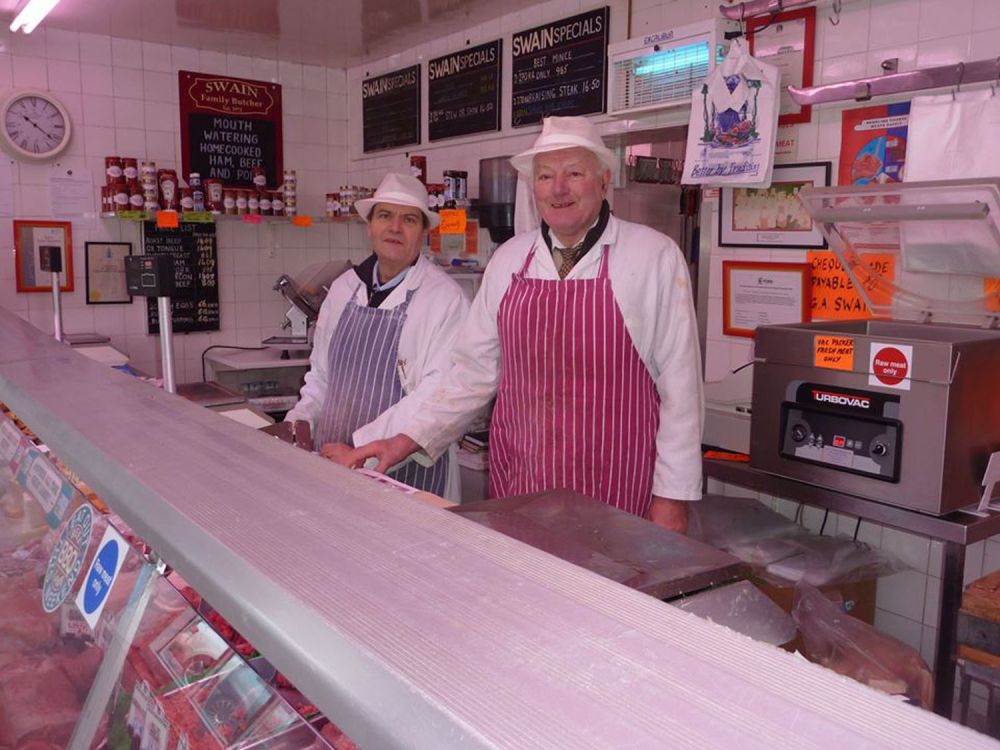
(570, 255)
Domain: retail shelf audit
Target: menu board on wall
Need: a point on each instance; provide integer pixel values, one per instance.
(560, 68)
(229, 126)
(390, 109)
(463, 92)
(195, 304)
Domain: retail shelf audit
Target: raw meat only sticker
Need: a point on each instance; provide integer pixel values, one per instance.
(890, 366)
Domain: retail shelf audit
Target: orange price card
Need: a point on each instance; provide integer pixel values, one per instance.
(167, 220)
(453, 221)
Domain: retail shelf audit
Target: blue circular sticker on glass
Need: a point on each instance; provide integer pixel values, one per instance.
(67, 558)
(102, 574)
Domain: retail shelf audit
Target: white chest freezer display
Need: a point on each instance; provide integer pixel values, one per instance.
(902, 408)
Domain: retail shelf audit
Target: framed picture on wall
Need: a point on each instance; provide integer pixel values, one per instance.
(773, 217)
(36, 244)
(758, 294)
(105, 275)
(788, 41)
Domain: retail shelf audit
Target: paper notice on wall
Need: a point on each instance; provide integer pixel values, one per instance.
(991, 288)
(70, 195)
(834, 295)
(873, 144)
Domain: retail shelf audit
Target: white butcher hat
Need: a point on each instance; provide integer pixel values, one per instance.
(564, 132)
(399, 190)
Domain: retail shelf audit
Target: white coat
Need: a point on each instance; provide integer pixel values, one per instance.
(652, 287)
(433, 320)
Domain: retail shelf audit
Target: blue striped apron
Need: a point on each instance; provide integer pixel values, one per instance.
(364, 381)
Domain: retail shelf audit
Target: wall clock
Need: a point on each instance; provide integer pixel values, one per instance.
(34, 126)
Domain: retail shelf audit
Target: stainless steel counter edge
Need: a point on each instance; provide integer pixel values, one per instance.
(408, 625)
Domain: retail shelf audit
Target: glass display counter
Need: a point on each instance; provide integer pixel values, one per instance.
(99, 649)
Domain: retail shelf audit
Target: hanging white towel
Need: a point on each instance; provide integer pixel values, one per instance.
(953, 137)
(733, 125)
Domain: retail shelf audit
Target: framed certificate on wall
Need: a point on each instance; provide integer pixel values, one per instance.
(757, 294)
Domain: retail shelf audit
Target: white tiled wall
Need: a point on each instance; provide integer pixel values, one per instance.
(122, 97)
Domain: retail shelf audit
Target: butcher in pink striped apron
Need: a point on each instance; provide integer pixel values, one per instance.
(576, 407)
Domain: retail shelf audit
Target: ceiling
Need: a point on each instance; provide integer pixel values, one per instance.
(334, 33)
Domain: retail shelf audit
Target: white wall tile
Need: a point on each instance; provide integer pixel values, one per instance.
(64, 75)
(974, 554)
(161, 116)
(850, 35)
(29, 45)
(130, 142)
(162, 148)
(156, 57)
(126, 53)
(986, 15)
(212, 62)
(940, 18)
(127, 82)
(892, 25)
(129, 113)
(184, 58)
(29, 72)
(912, 550)
(910, 632)
(314, 78)
(953, 49)
(99, 110)
(96, 79)
(239, 66)
(290, 74)
(991, 557)
(158, 87)
(985, 44)
(6, 74)
(95, 48)
(99, 141)
(264, 70)
(62, 45)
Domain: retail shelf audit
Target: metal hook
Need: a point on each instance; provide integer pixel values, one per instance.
(958, 86)
(837, 7)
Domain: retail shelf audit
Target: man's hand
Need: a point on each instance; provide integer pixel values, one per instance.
(339, 453)
(670, 514)
(389, 452)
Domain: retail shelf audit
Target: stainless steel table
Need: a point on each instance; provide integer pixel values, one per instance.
(956, 531)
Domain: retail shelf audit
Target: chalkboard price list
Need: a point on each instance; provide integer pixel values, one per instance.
(464, 92)
(560, 68)
(195, 304)
(390, 109)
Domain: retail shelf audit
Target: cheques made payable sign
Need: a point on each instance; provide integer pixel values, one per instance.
(230, 127)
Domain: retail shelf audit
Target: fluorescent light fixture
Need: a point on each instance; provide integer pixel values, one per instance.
(32, 14)
(676, 60)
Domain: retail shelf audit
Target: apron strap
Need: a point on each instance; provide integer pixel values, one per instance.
(527, 262)
(603, 272)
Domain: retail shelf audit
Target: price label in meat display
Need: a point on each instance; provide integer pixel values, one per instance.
(560, 68)
(229, 127)
(463, 92)
(390, 109)
(101, 576)
(47, 485)
(10, 440)
(67, 558)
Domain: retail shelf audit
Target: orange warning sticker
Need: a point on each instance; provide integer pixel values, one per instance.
(166, 220)
(833, 352)
(452, 221)
(991, 288)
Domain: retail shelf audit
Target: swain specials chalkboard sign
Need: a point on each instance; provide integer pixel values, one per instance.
(390, 109)
(559, 68)
(463, 92)
(229, 126)
(195, 303)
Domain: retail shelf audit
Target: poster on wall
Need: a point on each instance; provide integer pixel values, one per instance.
(559, 68)
(390, 110)
(786, 40)
(834, 295)
(873, 144)
(192, 247)
(230, 128)
(36, 245)
(463, 92)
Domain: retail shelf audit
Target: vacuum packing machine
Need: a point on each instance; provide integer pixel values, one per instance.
(902, 408)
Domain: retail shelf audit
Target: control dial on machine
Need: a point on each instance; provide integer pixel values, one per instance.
(799, 433)
(879, 448)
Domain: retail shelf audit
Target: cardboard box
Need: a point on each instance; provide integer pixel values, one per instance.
(857, 599)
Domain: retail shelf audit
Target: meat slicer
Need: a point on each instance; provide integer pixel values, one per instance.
(305, 293)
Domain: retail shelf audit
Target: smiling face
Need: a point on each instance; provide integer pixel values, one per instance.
(569, 185)
(396, 233)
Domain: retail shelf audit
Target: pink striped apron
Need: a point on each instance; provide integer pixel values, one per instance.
(576, 406)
